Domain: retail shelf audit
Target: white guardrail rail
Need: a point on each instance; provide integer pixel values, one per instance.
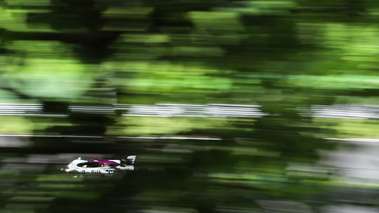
(187, 110)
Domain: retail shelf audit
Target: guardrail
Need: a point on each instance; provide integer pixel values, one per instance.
(188, 110)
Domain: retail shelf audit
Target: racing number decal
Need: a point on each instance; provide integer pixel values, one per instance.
(110, 171)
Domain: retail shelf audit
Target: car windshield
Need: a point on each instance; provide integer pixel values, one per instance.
(89, 164)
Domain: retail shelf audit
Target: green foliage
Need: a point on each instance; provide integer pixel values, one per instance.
(282, 55)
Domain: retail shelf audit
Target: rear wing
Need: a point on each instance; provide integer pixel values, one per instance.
(131, 159)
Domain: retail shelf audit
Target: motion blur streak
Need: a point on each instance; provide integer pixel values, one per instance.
(185, 110)
(229, 106)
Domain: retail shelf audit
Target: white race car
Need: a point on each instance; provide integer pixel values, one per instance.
(100, 166)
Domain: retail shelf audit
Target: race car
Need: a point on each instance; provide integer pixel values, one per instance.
(78, 167)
